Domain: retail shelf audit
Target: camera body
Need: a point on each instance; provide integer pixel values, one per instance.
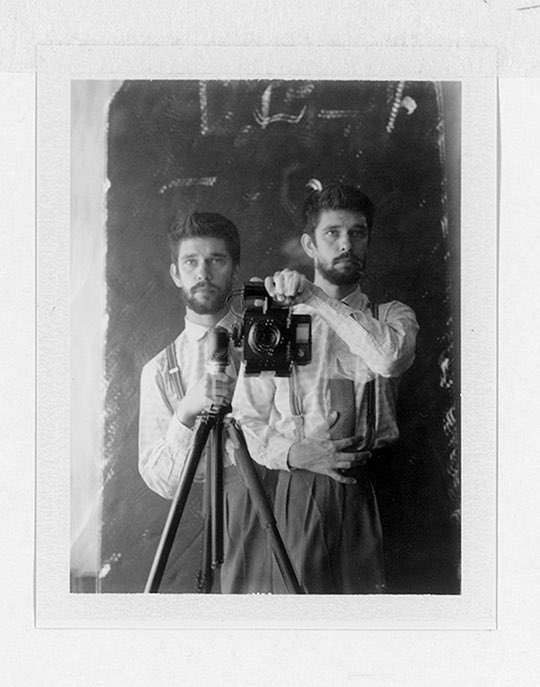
(273, 337)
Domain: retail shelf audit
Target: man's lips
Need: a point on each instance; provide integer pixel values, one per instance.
(204, 287)
(347, 261)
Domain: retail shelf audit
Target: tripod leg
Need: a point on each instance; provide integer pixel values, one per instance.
(212, 555)
(201, 431)
(216, 493)
(264, 510)
(205, 578)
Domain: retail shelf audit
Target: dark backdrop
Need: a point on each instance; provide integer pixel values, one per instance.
(246, 149)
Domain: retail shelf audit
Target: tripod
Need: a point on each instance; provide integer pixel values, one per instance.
(210, 427)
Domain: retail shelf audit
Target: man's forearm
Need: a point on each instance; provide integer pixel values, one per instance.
(161, 458)
(387, 347)
(266, 446)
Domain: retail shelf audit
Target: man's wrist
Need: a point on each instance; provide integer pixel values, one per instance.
(311, 294)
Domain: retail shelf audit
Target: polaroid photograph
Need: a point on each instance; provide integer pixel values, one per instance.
(266, 286)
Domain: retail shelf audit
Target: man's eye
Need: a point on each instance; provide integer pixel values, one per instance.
(217, 261)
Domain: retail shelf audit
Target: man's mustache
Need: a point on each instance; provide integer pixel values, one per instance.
(348, 257)
(203, 285)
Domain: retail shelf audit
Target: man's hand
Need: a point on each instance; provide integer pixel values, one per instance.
(290, 285)
(211, 389)
(328, 456)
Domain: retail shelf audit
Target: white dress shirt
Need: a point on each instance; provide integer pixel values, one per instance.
(163, 440)
(347, 343)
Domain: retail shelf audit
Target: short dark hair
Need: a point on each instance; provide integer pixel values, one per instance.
(335, 197)
(201, 224)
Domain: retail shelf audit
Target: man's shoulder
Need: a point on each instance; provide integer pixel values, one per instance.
(159, 363)
(395, 309)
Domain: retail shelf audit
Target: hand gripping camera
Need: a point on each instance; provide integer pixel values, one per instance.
(273, 338)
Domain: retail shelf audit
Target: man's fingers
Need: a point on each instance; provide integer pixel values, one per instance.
(340, 444)
(279, 286)
(288, 284)
(356, 456)
(269, 286)
(285, 284)
(222, 377)
(338, 477)
(220, 396)
(218, 385)
(293, 281)
(348, 460)
(223, 391)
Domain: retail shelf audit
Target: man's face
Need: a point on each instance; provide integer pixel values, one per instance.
(339, 246)
(204, 273)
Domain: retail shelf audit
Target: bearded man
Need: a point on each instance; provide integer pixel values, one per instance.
(318, 427)
(176, 388)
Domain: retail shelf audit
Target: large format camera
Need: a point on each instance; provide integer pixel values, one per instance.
(273, 338)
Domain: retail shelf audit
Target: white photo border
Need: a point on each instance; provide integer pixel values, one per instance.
(475, 607)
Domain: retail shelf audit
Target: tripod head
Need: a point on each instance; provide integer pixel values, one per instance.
(218, 350)
(218, 361)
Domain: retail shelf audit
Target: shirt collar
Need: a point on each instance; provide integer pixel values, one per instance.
(195, 332)
(356, 300)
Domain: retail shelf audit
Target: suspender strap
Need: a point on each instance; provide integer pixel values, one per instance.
(174, 370)
(371, 391)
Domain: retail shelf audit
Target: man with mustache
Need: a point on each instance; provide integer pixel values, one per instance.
(319, 426)
(176, 388)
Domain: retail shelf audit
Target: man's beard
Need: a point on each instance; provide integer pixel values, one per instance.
(212, 302)
(343, 271)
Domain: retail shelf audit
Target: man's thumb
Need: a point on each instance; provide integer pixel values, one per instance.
(325, 425)
(333, 418)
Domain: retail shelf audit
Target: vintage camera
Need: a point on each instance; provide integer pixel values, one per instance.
(273, 338)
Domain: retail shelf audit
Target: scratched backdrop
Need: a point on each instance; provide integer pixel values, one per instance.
(247, 149)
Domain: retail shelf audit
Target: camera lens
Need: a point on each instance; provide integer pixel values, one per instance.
(264, 336)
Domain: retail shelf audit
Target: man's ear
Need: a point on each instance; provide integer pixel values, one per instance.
(173, 269)
(308, 245)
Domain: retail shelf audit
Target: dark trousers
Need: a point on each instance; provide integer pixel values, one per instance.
(247, 566)
(332, 532)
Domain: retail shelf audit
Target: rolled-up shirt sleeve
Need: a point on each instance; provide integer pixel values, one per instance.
(386, 344)
(163, 440)
(255, 409)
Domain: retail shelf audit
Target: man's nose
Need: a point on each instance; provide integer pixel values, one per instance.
(203, 271)
(345, 243)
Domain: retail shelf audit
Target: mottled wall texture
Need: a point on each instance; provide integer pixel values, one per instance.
(246, 149)
(90, 103)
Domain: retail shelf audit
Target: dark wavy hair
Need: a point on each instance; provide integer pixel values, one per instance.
(335, 197)
(200, 225)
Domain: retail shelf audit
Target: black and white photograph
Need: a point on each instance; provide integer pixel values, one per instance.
(277, 287)
(341, 363)
(269, 334)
